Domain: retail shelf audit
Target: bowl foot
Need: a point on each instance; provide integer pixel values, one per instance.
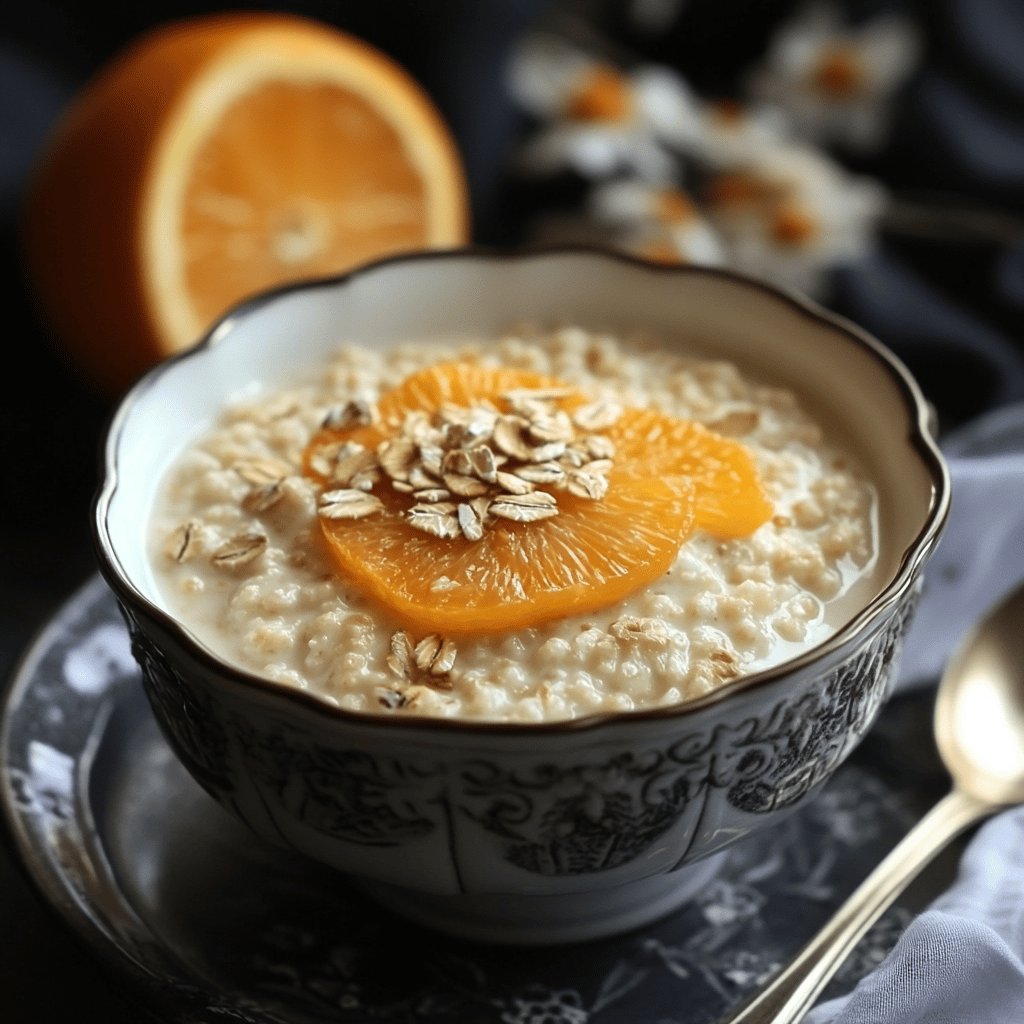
(548, 919)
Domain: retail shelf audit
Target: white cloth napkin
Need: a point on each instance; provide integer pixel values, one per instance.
(961, 961)
(980, 557)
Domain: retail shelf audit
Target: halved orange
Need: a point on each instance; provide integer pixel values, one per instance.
(668, 478)
(218, 156)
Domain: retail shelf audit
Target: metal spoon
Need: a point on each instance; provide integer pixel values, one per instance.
(979, 728)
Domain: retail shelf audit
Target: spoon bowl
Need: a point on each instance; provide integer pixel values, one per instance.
(979, 730)
(979, 711)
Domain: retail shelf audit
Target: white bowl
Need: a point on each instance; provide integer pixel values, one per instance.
(508, 832)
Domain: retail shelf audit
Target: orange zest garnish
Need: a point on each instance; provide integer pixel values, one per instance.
(666, 478)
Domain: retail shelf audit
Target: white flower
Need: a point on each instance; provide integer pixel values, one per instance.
(835, 81)
(793, 215)
(544, 74)
(594, 152)
(596, 119)
(657, 222)
(733, 133)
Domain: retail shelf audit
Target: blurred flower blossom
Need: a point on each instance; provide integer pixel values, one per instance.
(836, 81)
(596, 119)
(734, 133)
(656, 222)
(744, 181)
(792, 214)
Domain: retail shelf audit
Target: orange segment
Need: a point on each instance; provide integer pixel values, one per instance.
(519, 574)
(218, 156)
(462, 384)
(668, 478)
(729, 498)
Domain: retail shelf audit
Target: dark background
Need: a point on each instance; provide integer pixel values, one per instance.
(947, 296)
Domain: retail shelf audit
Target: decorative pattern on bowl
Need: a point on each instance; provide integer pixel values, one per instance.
(548, 817)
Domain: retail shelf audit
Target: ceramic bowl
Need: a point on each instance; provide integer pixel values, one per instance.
(559, 831)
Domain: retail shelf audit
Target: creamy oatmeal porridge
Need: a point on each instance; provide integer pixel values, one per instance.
(241, 555)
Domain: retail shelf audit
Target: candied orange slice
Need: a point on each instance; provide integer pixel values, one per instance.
(666, 478)
(465, 385)
(518, 574)
(729, 498)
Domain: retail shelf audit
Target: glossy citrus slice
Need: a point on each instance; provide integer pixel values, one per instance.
(729, 499)
(667, 478)
(519, 574)
(465, 384)
(219, 156)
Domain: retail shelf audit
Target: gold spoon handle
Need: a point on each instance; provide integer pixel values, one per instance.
(792, 992)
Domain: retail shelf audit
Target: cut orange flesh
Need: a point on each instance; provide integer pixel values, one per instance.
(300, 208)
(221, 155)
(593, 554)
(464, 385)
(668, 478)
(729, 500)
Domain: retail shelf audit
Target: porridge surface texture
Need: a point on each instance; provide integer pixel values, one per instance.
(240, 558)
